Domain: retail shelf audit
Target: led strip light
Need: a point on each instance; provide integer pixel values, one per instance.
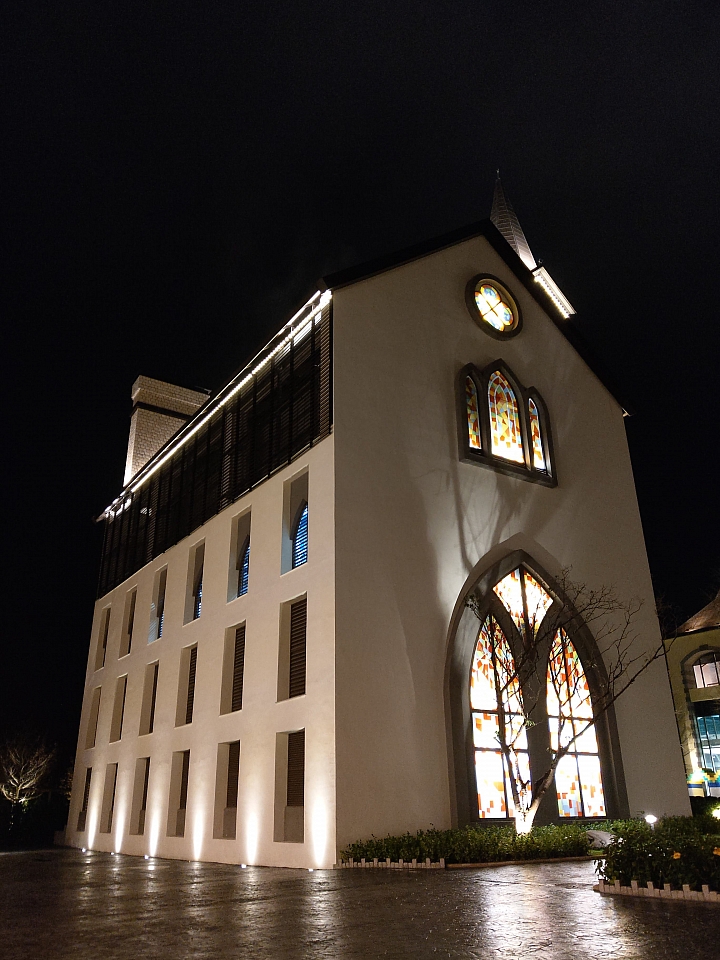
(320, 301)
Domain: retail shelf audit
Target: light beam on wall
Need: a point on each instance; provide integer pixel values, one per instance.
(252, 836)
(197, 838)
(154, 833)
(319, 831)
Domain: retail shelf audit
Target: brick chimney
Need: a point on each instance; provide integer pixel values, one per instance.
(159, 410)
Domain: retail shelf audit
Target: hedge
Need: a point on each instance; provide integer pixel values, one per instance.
(679, 850)
(475, 845)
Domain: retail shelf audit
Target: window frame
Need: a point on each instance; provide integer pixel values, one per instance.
(460, 652)
(507, 297)
(485, 457)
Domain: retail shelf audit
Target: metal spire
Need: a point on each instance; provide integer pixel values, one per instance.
(504, 218)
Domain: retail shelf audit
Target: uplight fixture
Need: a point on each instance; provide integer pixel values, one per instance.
(651, 819)
(716, 813)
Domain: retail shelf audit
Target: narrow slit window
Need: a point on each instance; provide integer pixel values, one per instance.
(91, 735)
(190, 702)
(473, 414)
(244, 569)
(233, 775)
(160, 605)
(536, 438)
(82, 816)
(103, 639)
(296, 769)
(197, 596)
(298, 648)
(118, 716)
(238, 669)
(300, 539)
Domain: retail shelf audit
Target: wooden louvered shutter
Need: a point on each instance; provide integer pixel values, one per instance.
(191, 686)
(233, 773)
(238, 669)
(146, 780)
(184, 777)
(296, 769)
(298, 634)
(153, 699)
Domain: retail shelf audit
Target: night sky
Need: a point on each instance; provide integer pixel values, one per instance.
(175, 178)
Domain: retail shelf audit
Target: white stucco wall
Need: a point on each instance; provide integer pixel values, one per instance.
(261, 716)
(413, 523)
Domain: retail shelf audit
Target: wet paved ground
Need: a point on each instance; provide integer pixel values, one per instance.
(65, 904)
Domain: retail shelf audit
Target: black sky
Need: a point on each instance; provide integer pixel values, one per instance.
(175, 177)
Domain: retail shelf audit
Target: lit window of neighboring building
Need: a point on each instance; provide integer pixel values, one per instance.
(707, 670)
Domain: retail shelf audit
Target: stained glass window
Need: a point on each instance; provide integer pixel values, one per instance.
(300, 540)
(493, 681)
(538, 452)
(244, 579)
(578, 779)
(473, 416)
(494, 308)
(505, 432)
(529, 613)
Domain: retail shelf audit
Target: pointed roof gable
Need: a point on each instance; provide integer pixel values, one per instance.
(505, 219)
(706, 619)
(488, 230)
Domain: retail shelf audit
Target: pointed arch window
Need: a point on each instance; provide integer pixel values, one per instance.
(505, 430)
(244, 578)
(494, 681)
(536, 441)
(578, 777)
(473, 416)
(300, 539)
(508, 429)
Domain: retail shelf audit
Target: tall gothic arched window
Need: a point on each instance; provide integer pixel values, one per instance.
(578, 778)
(525, 667)
(503, 425)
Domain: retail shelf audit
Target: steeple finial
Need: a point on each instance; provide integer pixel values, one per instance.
(504, 218)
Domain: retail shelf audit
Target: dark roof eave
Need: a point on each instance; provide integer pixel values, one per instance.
(488, 230)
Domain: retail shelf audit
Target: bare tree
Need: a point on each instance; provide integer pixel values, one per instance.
(520, 678)
(24, 766)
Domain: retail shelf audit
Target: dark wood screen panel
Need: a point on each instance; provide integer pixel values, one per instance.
(233, 774)
(285, 408)
(296, 769)
(298, 647)
(238, 669)
(191, 686)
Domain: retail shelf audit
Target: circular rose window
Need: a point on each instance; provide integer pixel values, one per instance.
(494, 305)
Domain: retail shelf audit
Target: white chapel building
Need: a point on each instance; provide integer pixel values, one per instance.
(282, 660)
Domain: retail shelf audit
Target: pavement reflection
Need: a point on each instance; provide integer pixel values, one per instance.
(66, 904)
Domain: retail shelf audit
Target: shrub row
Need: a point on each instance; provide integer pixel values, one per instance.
(678, 850)
(475, 845)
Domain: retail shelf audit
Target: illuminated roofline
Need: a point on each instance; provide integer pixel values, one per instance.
(562, 303)
(292, 329)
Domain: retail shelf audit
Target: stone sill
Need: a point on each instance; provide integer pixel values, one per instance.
(706, 895)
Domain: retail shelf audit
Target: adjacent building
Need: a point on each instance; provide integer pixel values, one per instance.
(282, 658)
(693, 657)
